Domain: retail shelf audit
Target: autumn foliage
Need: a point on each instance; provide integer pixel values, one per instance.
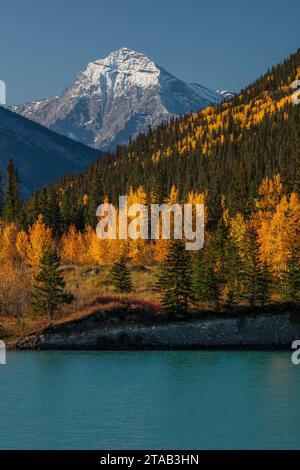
(268, 241)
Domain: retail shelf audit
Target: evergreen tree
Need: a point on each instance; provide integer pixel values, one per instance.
(13, 204)
(30, 211)
(219, 251)
(290, 279)
(265, 284)
(121, 277)
(255, 275)
(54, 216)
(49, 285)
(232, 271)
(175, 280)
(95, 198)
(205, 279)
(68, 208)
(50, 209)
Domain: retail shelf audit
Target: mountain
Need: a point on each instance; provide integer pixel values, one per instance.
(40, 155)
(224, 150)
(116, 98)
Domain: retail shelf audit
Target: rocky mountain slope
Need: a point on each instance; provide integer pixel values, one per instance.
(40, 155)
(224, 150)
(117, 97)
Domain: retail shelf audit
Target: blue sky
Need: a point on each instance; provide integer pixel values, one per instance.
(220, 44)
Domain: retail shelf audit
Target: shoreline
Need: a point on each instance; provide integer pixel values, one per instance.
(273, 328)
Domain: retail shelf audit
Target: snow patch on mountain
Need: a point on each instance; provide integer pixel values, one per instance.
(115, 98)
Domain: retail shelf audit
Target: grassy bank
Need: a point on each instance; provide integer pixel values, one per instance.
(91, 285)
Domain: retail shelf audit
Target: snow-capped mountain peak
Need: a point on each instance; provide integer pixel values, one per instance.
(117, 97)
(117, 68)
(127, 61)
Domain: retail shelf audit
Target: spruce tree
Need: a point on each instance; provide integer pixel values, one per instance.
(290, 279)
(232, 272)
(205, 279)
(53, 213)
(265, 284)
(121, 277)
(95, 198)
(50, 209)
(31, 210)
(255, 275)
(13, 204)
(218, 248)
(175, 280)
(49, 288)
(68, 209)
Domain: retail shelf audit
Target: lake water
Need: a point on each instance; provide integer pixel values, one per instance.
(150, 400)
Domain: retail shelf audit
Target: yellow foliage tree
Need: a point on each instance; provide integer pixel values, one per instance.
(73, 247)
(22, 243)
(279, 235)
(8, 250)
(270, 193)
(40, 238)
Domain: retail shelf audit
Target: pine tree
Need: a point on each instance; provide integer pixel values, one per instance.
(31, 210)
(255, 275)
(290, 279)
(121, 277)
(95, 198)
(175, 280)
(13, 204)
(49, 285)
(50, 209)
(219, 247)
(265, 284)
(205, 279)
(67, 209)
(232, 271)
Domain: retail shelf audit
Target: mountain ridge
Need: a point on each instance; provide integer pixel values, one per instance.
(40, 154)
(116, 98)
(223, 152)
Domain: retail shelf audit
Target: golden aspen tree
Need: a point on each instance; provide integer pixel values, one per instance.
(270, 193)
(15, 279)
(22, 242)
(71, 246)
(161, 246)
(280, 235)
(8, 250)
(94, 252)
(40, 238)
(135, 248)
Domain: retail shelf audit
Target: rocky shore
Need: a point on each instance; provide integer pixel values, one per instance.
(265, 330)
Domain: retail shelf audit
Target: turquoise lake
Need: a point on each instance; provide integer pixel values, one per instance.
(149, 400)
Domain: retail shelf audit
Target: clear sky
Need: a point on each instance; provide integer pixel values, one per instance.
(219, 44)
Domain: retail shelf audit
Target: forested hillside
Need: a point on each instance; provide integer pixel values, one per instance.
(240, 158)
(224, 150)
